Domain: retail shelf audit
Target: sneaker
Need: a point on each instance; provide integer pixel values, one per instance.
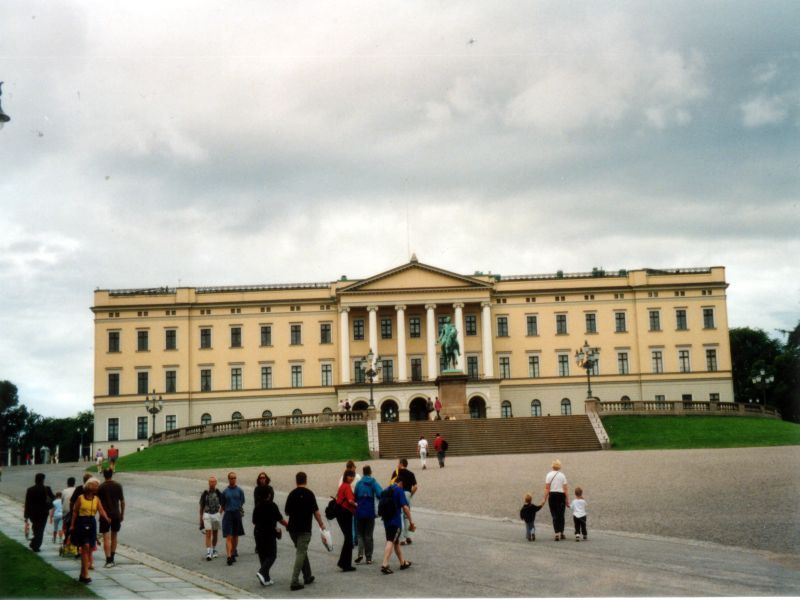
(310, 580)
(208, 556)
(358, 559)
(533, 537)
(577, 538)
(214, 553)
(296, 586)
(261, 579)
(109, 564)
(269, 582)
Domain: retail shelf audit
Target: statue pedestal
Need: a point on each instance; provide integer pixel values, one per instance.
(453, 394)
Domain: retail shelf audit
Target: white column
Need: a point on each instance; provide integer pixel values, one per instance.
(486, 331)
(430, 330)
(344, 344)
(373, 328)
(401, 343)
(459, 324)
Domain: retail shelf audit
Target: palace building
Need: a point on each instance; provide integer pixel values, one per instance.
(231, 352)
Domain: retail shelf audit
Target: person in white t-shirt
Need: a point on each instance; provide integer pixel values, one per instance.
(556, 494)
(579, 514)
(422, 450)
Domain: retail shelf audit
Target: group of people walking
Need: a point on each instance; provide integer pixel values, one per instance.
(73, 513)
(556, 495)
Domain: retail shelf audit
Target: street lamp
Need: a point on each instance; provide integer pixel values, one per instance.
(81, 430)
(763, 381)
(370, 371)
(153, 404)
(587, 358)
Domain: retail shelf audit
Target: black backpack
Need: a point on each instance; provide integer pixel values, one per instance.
(445, 445)
(330, 510)
(387, 507)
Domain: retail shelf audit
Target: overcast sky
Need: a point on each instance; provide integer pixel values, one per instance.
(200, 143)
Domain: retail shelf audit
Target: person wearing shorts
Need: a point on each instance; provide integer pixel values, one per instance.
(113, 500)
(211, 516)
(232, 528)
(394, 526)
(113, 455)
(98, 459)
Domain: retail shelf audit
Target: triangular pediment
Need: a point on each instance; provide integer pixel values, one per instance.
(415, 276)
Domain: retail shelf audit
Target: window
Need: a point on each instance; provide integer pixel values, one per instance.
(711, 359)
(566, 407)
(113, 384)
(414, 327)
(655, 320)
(205, 419)
(267, 414)
(360, 376)
(505, 367)
(563, 365)
(680, 319)
(657, 360)
(142, 340)
(142, 382)
(324, 333)
(502, 326)
(141, 428)
(171, 340)
(661, 402)
(297, 416)
(171, 422)
(113, 341)
(297, 376)
(236, 416)
(619, 322)
(236, 378)
(266, 335)
(713, 397)
(205, 380)
(327, 410)
(326, 374)
(386, 329)
(536, 408)
(591, 323)
(708, 318)
(472, 367)
(684, 365)
(113, 429)
(170, 384)
(416, 369)
(533, 365)
(358, 329)
(687, 400)
(266, 378)
(505, 409)
(561, 324)
(622, 363)
(533, 324)
(205, 337)
(236, 337)
(471, 325)
(388, 370)
(296, 334)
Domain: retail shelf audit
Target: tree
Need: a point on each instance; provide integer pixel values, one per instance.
(751, 350)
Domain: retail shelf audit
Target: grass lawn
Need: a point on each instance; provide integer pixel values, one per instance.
(275, 448)
(662, 432)
(25, 575)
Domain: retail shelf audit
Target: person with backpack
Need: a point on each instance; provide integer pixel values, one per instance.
(440, 445)
(367, 490)
(409, 489)
(210, 517)
(391, 508)
(345, 511)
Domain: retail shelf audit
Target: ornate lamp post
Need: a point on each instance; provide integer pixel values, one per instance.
(370, 371)
(153, 404)
(586, 358)
(763, 381)
(81, 431)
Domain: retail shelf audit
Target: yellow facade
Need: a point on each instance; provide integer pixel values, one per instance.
(207, 351)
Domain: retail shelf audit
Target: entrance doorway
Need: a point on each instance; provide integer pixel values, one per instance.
(389, 412)
(477, 408)
(360, 405)
(418, 409)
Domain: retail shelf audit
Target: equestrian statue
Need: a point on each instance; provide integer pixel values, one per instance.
(448, 338)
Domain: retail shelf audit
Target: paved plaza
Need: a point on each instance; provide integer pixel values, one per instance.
(661, 523)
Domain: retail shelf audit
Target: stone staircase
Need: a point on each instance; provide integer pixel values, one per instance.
(517, 435)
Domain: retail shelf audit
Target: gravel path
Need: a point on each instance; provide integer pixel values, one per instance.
(745, 497)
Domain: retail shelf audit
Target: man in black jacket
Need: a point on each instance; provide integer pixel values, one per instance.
(38, 501)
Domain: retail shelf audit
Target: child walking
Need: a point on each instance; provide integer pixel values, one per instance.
(528, 514)
(56, 517)
(579, 514)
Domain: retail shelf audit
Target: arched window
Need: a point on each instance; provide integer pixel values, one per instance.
(237, 416)
(297, 416)
(626, 402)
(505, 409)
(205, 419)
(536, 408)
(327, 410)
(266, 414)
(566, 407)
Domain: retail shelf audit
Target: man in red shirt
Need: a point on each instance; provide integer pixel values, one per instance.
(113, 455)
(440, 445)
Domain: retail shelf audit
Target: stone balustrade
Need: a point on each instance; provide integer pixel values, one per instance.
(677, 407)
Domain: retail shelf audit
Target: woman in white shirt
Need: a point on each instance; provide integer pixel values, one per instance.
(556, 494)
